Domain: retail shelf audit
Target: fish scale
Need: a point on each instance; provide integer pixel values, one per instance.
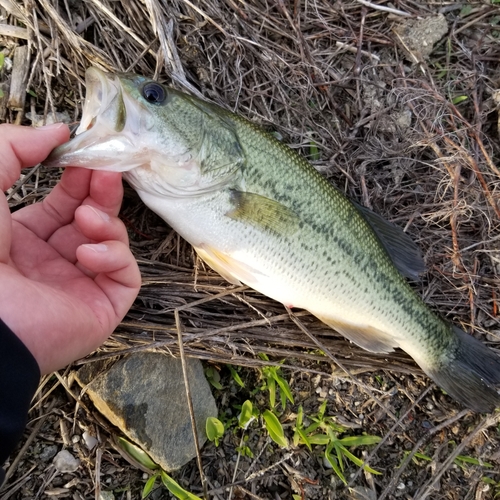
(260, 214)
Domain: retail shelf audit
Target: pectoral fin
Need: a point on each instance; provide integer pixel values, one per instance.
(365, 336)
(228, 267)
(263, 212)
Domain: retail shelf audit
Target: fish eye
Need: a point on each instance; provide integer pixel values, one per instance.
(154, 93)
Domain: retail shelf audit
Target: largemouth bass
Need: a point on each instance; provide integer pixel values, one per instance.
(260, 214)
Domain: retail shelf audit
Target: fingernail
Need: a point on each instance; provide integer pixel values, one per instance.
(97, 247)
(103, 215)
(52, 126)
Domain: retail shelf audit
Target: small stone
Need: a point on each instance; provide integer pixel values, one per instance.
(74, 482)
(361, 493)
(401, 486)
(64, 461)
(90, 441)
(106, 495)
(48, 452)
(322, 393)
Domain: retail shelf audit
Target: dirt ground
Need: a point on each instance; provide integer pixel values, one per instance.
(396, 104)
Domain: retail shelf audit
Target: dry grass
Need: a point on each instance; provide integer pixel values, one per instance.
(336, 82)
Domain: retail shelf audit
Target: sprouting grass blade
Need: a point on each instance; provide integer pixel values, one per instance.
(176, 489)
(275, 429)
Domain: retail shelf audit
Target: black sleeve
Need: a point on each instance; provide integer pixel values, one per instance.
(19, 378)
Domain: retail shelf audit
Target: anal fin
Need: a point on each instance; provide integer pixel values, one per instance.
(367, 337)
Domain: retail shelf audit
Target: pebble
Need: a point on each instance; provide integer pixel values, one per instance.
(64, 461)
(90, 441)
(47, 453)
(106, 495)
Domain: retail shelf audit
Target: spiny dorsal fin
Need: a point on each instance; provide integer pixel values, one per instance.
(263, 212)
(403, 251)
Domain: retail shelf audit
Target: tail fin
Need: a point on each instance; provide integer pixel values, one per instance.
(470, 374)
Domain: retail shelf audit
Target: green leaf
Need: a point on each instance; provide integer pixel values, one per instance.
(488, 480)
(312, 427)
(275, 429)
(271, 386)
(300, 417)
(285, 389)
(300, 437)
(244, 451)
(333, 462)
(149, 485)
(471, 460)
(421, 456)
(1, 93)
(320, 439)
(322, 409)
(236, 376)
(246, 415)
(2, 60)
(214, 429)
(338, 451)
(357, 460)
(32, 93)
(137, 453)
(175, 489)
(360, 440)
(459, 99)
(213, 376)
(313, 151)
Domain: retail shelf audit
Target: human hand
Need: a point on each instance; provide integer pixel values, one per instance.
(67, 276)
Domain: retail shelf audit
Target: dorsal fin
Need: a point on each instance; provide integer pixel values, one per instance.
(403, 251)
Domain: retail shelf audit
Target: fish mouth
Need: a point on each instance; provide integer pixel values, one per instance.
(105, 137)
(103, 97)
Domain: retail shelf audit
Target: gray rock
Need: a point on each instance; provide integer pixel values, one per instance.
(418, 36)
(143, 394)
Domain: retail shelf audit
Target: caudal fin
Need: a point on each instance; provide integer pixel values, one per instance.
(470, 374)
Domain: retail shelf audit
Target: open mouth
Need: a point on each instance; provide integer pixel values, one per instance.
(103, 99)
(100, 141)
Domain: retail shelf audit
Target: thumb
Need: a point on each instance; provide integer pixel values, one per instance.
(22, 147)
